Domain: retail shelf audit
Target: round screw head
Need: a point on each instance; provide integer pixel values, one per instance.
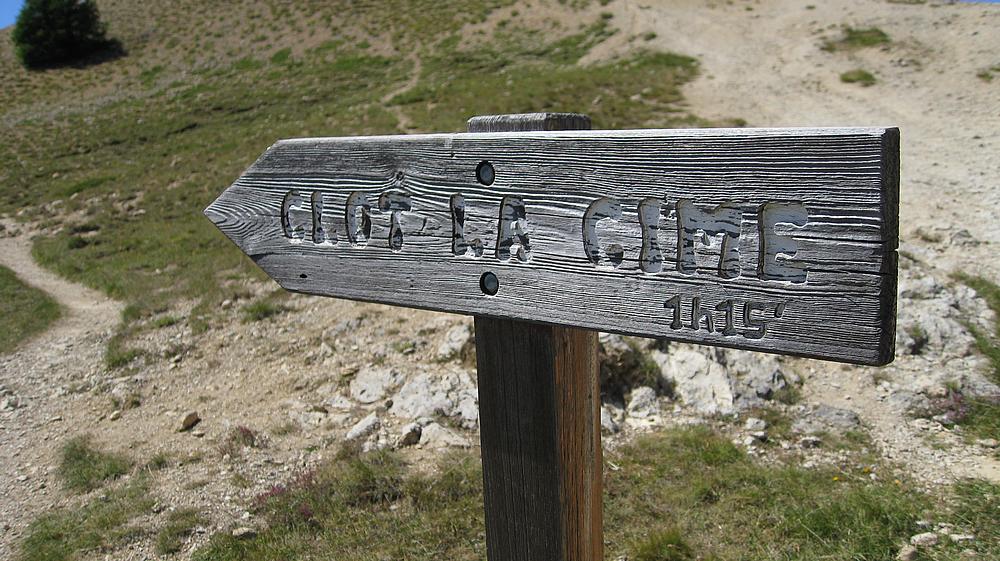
(485, 173)
(489, 284)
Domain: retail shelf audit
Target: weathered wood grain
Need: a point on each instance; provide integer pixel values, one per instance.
(539, 413)
(539, 425)
(802, 260)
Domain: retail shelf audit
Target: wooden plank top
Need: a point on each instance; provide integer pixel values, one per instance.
(777, 240)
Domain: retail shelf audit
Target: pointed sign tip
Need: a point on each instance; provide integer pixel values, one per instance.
(213, 214)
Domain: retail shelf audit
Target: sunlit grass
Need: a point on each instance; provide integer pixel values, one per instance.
(24, 310)
(683, 494)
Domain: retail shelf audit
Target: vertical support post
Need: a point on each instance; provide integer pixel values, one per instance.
(539, 411)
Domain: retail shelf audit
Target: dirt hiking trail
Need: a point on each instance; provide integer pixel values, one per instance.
(39, 374)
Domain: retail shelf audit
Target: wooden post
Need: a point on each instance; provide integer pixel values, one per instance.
(539, 410)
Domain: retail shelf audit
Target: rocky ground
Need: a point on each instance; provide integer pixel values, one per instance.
(325, 372)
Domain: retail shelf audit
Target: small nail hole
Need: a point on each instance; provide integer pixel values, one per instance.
(485, 173)
(489, 284)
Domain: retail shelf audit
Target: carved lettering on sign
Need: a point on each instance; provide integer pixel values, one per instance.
(611, 254)
(695, 224)
(697, 313)
(755, 316)
(650, 257)
(459, 244)
(358, 219)
(306, 216)
(727, 308)
(512, 232)
(322, 233)
(295, 217)
(394, 203)
(774, 246)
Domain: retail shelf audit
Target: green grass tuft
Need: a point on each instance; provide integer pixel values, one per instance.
(261, 310)
(281, 57)
(367, 507)
(855, 38)
(166, 321)
(987, 343)
(664, 545)
(240, 437)
(858, 76)
(76, 533)
(85, 185)
(118, 354)
(159, 461)
(976, 509)
(728, 507)
(85, 468)
(982, 419)
(180, 524)
(24, 311)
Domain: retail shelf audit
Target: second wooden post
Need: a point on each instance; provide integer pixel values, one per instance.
(539, 409)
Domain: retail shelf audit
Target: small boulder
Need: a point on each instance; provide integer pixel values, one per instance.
(424, 395)
(755, 424)
(410, 434)
(436, 436)
(608, 423)
(907, 553)
(338, 402)
(697, 378)
(961, 538)
(809, 442)
(244, 533)
(364, 427)
(372, 383)
(642, 403)
(926, 539)
(760, 379)
(454, 339)
(467, 409)
(188, 421)
(824, 418)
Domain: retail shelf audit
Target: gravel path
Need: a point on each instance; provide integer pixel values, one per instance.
(41, 375)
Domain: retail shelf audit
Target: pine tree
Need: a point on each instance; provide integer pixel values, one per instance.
(53, 32)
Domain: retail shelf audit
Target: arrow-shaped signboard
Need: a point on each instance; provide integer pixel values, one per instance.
(778, 240)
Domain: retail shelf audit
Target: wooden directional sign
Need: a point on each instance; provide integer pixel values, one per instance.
(778, 240)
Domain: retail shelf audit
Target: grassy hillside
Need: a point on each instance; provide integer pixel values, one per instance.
(118, 159)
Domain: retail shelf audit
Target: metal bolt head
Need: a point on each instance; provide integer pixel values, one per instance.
(489, 284)
(485, 173)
